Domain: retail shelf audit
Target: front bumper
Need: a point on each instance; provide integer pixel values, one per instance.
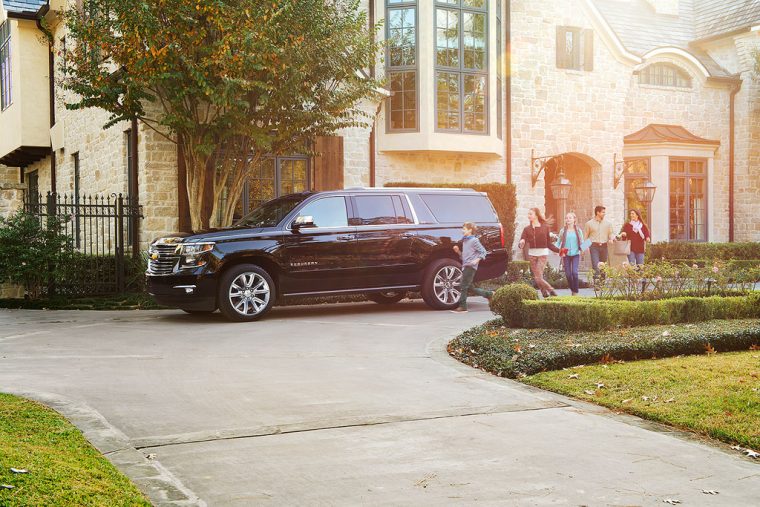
(189, 292)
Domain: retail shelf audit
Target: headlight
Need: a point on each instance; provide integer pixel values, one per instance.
(192, 254)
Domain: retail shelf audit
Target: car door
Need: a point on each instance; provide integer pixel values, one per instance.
(320, 258)
(385, 232)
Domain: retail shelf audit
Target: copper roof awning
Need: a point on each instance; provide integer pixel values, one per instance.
(24, 156)
(657, 133)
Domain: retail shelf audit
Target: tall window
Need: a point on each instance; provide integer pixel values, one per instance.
(274, 177)
(575, 48)
(665, 74)
(636, 173)
(499, 72)
(688, 204)
(5, 65)
(401, 34)
(128, 139)
(461, 63)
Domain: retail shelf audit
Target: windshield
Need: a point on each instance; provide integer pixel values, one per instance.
(271, 213)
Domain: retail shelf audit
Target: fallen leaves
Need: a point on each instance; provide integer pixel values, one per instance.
(573, 375)
(749, 452)
(589, 392)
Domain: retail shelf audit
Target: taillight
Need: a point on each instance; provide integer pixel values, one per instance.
(501, 232)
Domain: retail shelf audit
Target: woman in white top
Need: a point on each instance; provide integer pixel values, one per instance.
(536, 236)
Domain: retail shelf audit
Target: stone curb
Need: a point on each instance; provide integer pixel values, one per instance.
(160, 486)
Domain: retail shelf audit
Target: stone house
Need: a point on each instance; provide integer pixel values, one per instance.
(607, 93)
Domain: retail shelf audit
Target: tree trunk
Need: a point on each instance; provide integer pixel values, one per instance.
(196, 164)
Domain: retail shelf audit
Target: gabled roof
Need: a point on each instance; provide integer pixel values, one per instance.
(717, 17)
(658, 133)
(641, 29)
(24, 7)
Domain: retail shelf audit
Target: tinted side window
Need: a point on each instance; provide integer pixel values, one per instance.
(375, 209)
(460, 208)
(403, 215)
(327, 212)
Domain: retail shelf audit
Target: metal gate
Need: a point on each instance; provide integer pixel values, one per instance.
(103, 246)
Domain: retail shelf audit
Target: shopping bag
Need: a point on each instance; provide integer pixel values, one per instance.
(622, 247)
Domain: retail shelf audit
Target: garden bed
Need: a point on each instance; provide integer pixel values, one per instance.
(518, 352)
(62, 468)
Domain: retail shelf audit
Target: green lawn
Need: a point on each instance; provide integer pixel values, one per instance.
(63, 468)
(716, 394)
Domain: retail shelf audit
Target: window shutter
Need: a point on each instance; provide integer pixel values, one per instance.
(588, 50)
(561, 47)
(328, 163)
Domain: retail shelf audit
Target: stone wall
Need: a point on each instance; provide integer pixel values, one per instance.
(11, 190)
(557, 111)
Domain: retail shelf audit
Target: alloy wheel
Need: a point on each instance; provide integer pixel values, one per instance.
(446, 284)
(249, 294)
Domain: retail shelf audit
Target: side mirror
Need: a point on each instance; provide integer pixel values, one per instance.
(302, 222)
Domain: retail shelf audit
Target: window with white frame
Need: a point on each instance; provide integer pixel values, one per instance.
(461, 66)
(5, 64)
(688, 200)
(401, 60)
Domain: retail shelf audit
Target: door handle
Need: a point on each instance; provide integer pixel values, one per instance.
(347, 237)
(408, 235)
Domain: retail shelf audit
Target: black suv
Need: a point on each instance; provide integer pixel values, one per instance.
(381, 242)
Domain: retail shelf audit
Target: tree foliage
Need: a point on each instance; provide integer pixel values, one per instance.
(232, 81)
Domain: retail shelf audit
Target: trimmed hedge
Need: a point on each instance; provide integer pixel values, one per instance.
(710, 251)
(508, 301)
(503, 196)
(591, 314)
(514, 353)
(731, 264)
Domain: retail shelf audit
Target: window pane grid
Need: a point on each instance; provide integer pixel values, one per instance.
(688, 205)
(664, 74)
(401, 71)
(5, 65)
(461, 33)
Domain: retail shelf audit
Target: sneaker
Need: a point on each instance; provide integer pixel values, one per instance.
(458, 310)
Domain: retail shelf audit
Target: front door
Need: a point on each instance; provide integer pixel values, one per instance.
(320, 258)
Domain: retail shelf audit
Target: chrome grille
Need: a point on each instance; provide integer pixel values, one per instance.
(165, 262)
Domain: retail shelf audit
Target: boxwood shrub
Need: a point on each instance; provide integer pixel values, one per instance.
(508, 302)
(516, 352)
(590, 314)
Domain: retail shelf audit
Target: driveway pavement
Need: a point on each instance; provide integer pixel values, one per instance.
(341, 405)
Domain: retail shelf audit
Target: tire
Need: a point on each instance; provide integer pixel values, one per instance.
(386, 298)
(235, 303)
(440, 285)
(198, 312)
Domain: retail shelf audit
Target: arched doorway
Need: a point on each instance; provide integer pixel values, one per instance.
(579, 169)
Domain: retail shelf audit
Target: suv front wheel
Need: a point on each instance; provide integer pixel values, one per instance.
(246, 292)
(440, 287)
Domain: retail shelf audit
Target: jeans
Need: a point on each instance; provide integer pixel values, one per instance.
(537, 266)
(635, 258)
(468, 275)
(598, 254)
(571, 264)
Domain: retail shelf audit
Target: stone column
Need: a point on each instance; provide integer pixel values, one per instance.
(659, 222)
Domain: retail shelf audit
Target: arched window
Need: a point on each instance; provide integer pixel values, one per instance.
(665, 74)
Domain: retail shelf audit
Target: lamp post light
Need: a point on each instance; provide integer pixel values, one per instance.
(645, 192)
(560, 188)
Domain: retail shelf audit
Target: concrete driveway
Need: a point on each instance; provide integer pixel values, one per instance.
(340, 405)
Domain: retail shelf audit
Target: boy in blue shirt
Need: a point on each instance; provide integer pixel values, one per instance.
(472, 253)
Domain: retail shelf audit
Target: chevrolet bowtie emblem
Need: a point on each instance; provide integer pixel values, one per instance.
(154, 256)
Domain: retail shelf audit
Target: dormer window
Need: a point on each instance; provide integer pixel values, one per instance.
(665, 74)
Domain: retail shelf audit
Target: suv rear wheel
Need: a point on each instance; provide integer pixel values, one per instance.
(386, 298)
(440, 286)
(246, 292)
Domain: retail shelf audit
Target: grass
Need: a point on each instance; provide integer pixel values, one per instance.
(63, 468)
(716, 394)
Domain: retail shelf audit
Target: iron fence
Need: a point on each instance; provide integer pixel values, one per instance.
(103, 251)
